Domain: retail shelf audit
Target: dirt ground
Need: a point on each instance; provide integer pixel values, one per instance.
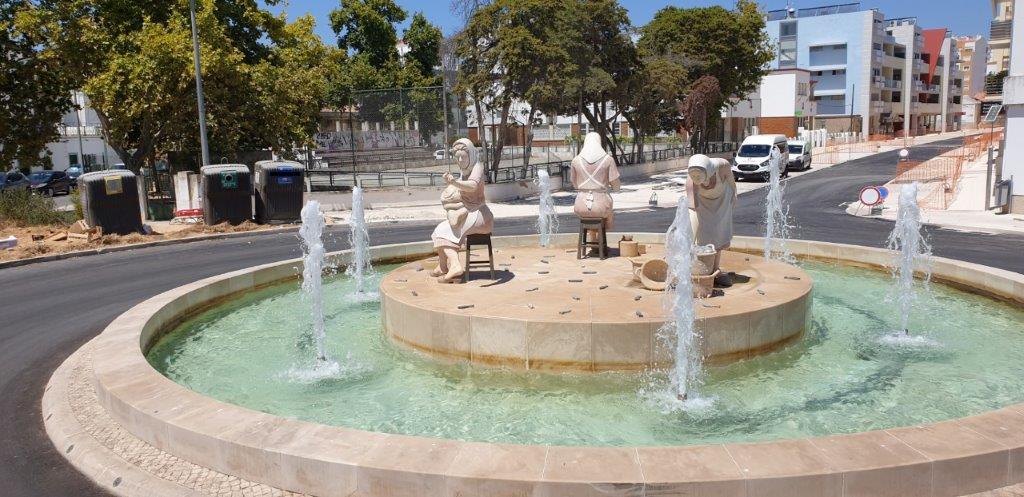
(161, 231)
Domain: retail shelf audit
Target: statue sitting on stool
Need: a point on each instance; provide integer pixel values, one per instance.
(466, 211)
(711, 193)
(593, 172)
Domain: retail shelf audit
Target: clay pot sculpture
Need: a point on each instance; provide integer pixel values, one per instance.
(654, 274)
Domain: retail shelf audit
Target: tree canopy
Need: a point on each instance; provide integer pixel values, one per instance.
(265, 78)
(35, 92)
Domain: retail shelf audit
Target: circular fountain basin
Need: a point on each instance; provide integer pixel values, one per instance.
(548, 310)
(884, 418)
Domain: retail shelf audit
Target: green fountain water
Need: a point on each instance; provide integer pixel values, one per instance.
(257, 352)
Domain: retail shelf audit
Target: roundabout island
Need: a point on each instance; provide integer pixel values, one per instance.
(548, 310)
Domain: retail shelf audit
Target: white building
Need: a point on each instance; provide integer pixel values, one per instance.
(781, 105)
(1013, 101)
(973, 58)
(81, 140)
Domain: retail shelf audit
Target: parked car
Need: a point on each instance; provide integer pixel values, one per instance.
(73, 173)
(754, 155)
(50, 183)
(799, 155)
(13, 181)
(440, 154)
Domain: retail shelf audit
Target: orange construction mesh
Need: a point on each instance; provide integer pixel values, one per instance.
(937, 179)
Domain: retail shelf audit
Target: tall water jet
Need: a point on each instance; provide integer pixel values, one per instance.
(547, 219)
(776, 213)
(311, 233)
(912, 250)
(360, 268)
(687, 372)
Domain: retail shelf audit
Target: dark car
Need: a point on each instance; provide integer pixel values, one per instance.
(50, 182)
(13, 181)
(73, 173)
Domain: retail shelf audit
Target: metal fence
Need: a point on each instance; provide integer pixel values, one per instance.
(386, 130)
(335, 180)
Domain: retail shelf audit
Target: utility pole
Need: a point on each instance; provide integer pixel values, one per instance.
(199, 85)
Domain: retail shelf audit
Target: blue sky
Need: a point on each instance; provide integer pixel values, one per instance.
(961, 16)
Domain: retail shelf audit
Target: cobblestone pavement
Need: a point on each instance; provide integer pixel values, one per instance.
(95, 421)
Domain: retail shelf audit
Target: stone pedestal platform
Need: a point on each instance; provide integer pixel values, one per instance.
(549, 311)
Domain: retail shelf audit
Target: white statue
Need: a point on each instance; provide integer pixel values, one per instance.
(711, 193)
(466, 211)
(593, 172)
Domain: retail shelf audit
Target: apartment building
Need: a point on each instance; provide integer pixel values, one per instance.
(999, 51)
(972, 52)
(999, 36)
(782, 104)
(939, 83)
(1012, 148)
(859, 69)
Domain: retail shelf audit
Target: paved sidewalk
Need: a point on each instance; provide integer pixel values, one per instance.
(966, 212)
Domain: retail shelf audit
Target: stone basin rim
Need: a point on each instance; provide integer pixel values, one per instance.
(964, 455)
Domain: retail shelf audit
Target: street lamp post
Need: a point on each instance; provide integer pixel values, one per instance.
(199, 86)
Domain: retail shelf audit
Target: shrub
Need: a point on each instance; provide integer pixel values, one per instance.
(22, 208)
(76, 200)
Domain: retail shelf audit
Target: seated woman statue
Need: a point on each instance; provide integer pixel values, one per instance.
(593, 172)
(466, 211)
(711, 194)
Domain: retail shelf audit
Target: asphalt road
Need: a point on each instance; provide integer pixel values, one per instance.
(51, 309)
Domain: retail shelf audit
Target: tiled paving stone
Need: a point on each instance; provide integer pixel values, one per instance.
(95, 421)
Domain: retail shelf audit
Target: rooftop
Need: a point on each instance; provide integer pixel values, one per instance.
(843, 8)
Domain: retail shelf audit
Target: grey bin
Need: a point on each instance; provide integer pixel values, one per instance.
(279, 188)
(227, 193)
(110, 200)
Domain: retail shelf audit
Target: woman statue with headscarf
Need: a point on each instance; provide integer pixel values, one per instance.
(466, 211)
(593, 172)
(711, 194)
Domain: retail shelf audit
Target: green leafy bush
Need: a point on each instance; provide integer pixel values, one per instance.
(22, 208)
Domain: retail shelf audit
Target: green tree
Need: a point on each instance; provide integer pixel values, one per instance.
(367, 35)
(265, 79)
(509, 53)
(730, 45)
(35, 91)
(424, 40)
(651, 101)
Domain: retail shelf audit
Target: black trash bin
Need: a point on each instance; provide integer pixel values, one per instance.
(279, 188)
(227, 193)
(110, 200)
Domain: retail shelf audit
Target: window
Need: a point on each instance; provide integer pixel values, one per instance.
(73, 159)
(750, 150)
(787, 28)
(787, 53)
(801, 89)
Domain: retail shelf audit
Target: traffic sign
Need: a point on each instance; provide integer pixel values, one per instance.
(872, 196)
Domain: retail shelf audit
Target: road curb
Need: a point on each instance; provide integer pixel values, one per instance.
(133, 246)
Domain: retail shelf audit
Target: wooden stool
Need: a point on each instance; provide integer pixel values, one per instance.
(602, 238)
(478, 239)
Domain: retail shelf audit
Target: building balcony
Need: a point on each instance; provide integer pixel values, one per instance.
(83, 131)
(893, 84)
(1000, 30)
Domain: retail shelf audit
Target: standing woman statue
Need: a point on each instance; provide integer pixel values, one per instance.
(466, 211)
(711, 194)
(593, 173)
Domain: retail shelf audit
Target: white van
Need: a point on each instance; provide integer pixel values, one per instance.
(751, 160)
(799, 155)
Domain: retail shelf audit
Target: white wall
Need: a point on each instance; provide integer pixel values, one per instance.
(778, 95)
